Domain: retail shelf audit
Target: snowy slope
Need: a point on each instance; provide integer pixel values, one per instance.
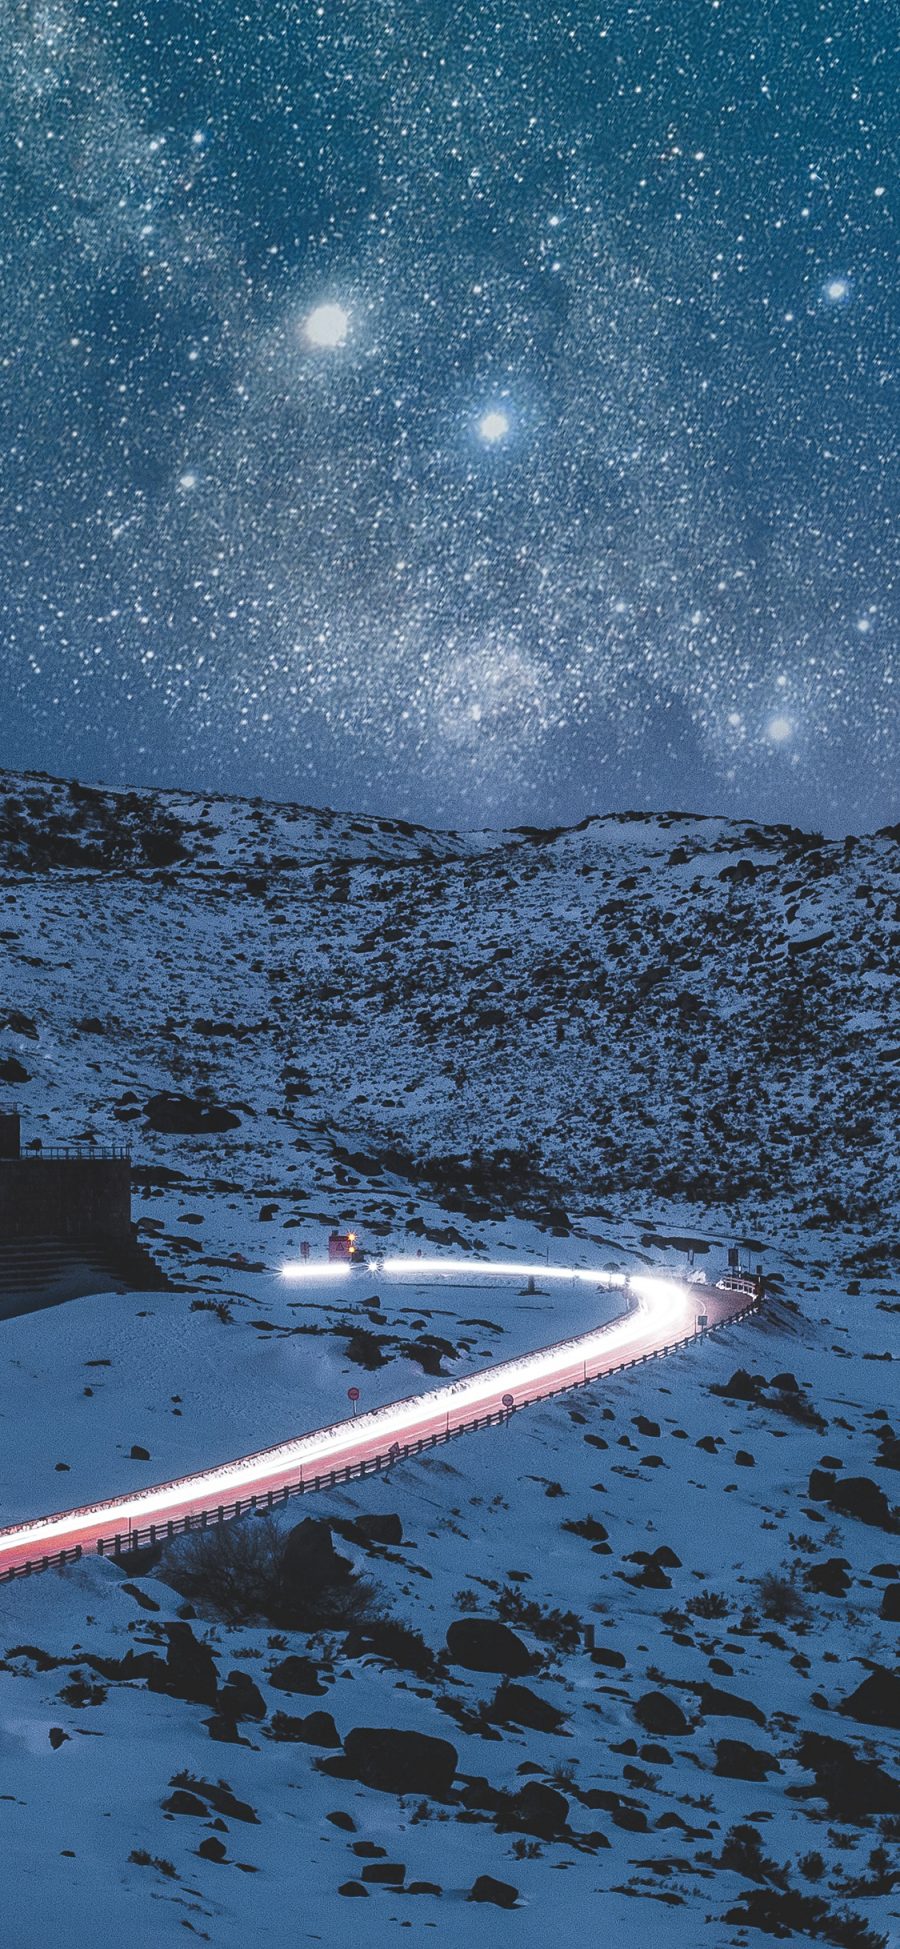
(606, 1046)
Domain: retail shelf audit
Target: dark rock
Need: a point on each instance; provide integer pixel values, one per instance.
(659, 1714)
(830, 1579)
(344, 1821)
(890, 1604)
(352, 1888)
(212, 1849)
(854, 1495)
(785, 1383)
(183, 1802)
(849, 1786)
(424, 1888)
(518, 1705)
(317, 1729)
(744, 1459)
(876, 1702)
(714, 1703)
(225, 1730)
(741, 1387)
(377, 1528)
(487, 1889)
(12, 1071)
(735, 1760)
(138, 1454)
(189, 1671)
(604, 1655)
(484, 1645)
(310, 1560)
(391, 1873)
(540, 1810)
(296, 1674)
(188, 1116)
(57, 1737)
(400, 1762)
(241, 1698)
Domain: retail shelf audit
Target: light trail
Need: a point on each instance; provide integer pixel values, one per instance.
(661, 1318)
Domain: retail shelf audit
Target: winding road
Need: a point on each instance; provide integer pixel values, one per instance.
(662, 1315)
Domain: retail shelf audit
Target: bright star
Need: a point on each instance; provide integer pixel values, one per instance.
(779, 729)
(493, 426)
(327, 326)
(836, 291)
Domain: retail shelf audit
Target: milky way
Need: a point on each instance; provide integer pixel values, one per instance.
(472, 413)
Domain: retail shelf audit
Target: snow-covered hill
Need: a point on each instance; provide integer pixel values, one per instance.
(620, 1044)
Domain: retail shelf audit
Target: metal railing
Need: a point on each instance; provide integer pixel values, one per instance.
(121, 1543)
(93, 1152)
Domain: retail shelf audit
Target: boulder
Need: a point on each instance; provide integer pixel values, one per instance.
(735, 1760)
(188, 1116)
(241, 1698)
(890, 1604)
(377, 1528)
(317, 1729)
(537, 1809)
(310, 1564)
(296, 1674)
(849, 1786)
(659, 1714)
(486, 1889)
(829, 1579)
(518, 1705)
(184, 1802)
(189, 1671)
(876, 1702)
(482, 1644)
(715, 1703)
(401, 1762)
(212, 1849)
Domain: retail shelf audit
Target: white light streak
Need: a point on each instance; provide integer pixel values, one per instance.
(666, 1308)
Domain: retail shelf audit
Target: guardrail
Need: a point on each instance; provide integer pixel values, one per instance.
(121, 1543)
(93, 1152)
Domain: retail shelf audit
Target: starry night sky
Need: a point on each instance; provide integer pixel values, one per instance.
(476, 413)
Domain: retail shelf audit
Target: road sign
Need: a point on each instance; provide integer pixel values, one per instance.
(509, 1400)
(353, 1393)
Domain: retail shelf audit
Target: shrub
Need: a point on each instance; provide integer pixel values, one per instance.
(781, 1600)
(708, 1604)
(250, 1569)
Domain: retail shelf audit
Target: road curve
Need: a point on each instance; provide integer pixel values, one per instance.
(664, 1315)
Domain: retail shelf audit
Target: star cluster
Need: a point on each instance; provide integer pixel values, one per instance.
(477, 413)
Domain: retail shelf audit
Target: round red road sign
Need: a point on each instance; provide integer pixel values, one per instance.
(353, 1393)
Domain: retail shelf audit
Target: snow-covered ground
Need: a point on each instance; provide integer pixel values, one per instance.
(330, 1044)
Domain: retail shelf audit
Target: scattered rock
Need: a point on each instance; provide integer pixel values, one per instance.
(398, 1762)
(735, 1760)
(483, 1644)
(212, 1849)
(296, 1674)
(850, 1786)
(659, 1714)
(189, 1671)
(890, 1604)
(317, 1729)
(518, 1705)
(176, 1115)
(714, 1703)
(486, 1889)
(241, 1698)
(876, 1702)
